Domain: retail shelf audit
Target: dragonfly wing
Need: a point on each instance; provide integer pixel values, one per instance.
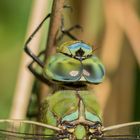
(15, 136)
(93, 70)
(22, 129)
(123, 131)
(117, 138)
(63, 68)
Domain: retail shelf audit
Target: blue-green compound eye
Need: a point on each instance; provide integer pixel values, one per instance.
(74, 62)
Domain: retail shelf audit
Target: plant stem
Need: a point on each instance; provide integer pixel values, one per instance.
(55, 23)
(25, 79)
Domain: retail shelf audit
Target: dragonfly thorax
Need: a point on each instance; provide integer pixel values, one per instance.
(77, 119)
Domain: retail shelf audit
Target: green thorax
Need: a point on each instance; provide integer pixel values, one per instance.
(65, 105)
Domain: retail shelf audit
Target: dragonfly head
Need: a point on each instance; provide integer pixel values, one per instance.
(76, 49)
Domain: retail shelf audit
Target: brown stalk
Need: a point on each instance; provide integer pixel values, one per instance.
(111, 50)
(131, 25)
(119, 98)
(55, 23)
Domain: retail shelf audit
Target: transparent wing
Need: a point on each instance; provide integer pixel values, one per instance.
(117, 138)
(29, 130)
(126, 131)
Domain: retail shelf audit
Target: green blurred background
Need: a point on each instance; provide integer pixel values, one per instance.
(13, 25)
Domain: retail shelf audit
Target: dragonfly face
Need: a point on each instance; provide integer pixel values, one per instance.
(74, 62)
(76, 49)
(73, 113)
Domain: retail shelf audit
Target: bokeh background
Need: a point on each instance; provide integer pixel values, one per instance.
(13, 23)
(112, 25)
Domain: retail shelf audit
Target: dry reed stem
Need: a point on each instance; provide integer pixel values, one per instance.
(128, 20)
(130, 23)
(111, 55)
(54, 26)
(112, 43)
(102, 92)
(25, 79)
(51, 41)
(111, 51)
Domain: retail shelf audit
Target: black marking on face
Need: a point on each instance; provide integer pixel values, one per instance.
(79, 53)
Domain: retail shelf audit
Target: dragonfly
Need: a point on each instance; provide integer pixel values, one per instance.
(72, 107)
(71, 111)
(70, 69)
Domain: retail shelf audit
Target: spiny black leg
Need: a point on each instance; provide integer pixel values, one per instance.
(77, 26)
(38, 75)
(35, 73)
(69, 35)
(26, 47)
(67, 32)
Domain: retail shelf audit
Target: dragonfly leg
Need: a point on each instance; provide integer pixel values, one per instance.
(26, 47)
(38, 75)
(67, 31)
